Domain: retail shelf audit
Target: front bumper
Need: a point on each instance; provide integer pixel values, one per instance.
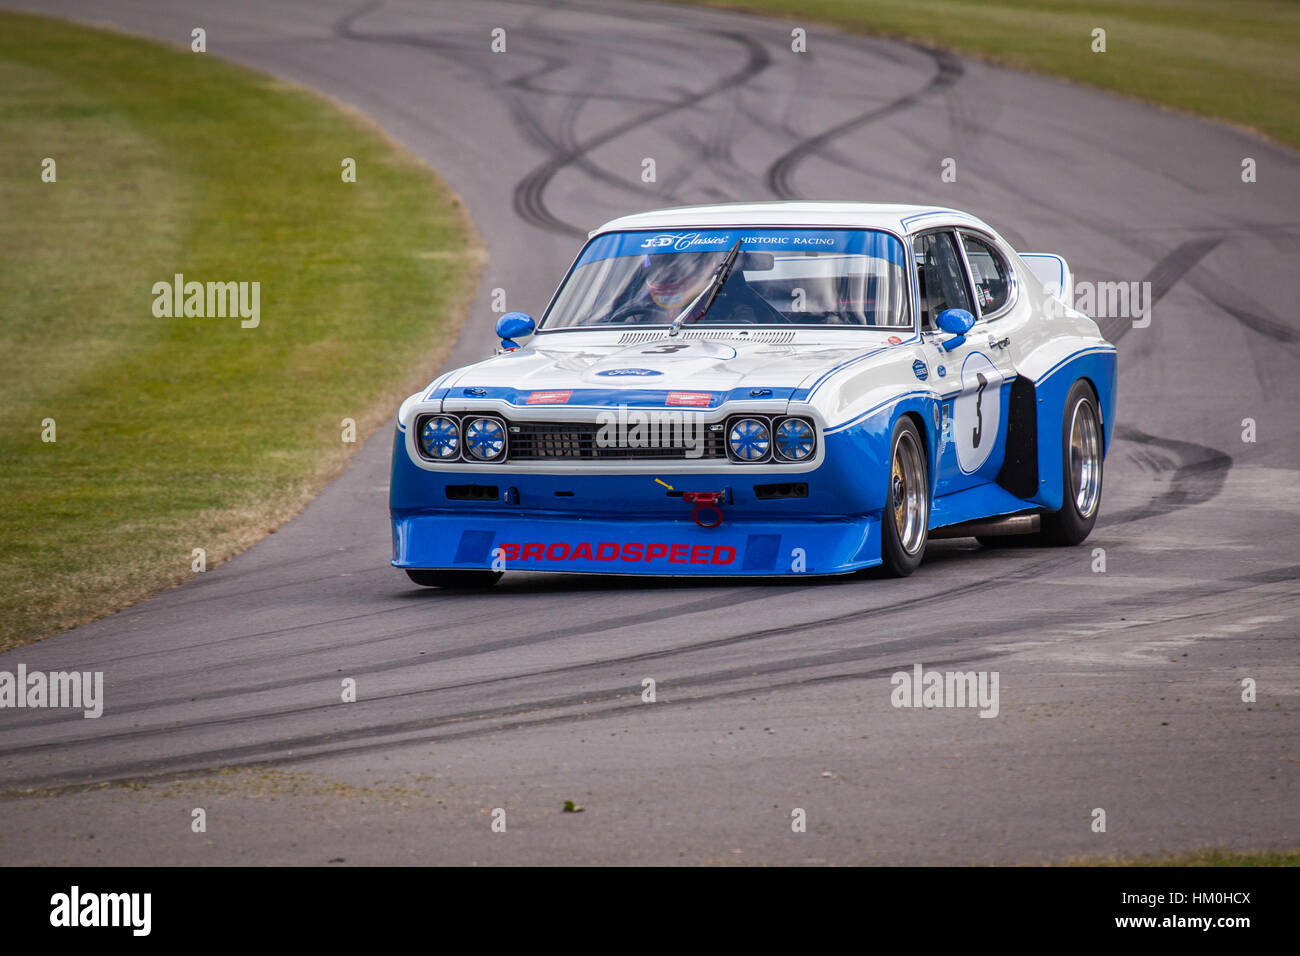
(658, 546)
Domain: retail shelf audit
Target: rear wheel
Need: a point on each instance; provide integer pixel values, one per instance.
(453, 579)
(905, 522)
(1081, 463)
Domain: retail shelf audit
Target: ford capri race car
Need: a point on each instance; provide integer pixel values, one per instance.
(766, 389)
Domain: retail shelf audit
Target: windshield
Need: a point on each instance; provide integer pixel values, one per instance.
(821, 277)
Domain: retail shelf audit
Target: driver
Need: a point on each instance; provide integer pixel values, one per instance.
(673, 280)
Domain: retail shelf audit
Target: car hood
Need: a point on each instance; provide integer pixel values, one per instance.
(692, 365)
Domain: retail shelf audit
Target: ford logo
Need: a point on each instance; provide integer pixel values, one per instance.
(618, 372)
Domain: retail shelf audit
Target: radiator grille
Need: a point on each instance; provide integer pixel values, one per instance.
(560, 441)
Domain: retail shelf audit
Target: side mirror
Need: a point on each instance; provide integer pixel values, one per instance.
(514, 325)
(956, 322)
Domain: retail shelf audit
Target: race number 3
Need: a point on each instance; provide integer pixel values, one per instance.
(977, 412)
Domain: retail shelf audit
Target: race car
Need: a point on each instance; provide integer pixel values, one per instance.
(769, 389)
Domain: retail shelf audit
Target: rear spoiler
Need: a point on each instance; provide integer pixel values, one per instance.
(1053, 272)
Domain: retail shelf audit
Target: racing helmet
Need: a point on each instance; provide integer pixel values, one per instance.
(673, 279)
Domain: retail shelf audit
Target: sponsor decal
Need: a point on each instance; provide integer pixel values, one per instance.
(941, 371)
(893, 340)
(636, 243)
(628, 552)
(696, 399)
(683, 241)
(621, 372)
(919, 369)
(549, 398)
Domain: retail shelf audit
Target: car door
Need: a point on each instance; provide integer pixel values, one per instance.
(973, 378)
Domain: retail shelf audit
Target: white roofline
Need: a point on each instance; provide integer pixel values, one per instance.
(893, 217)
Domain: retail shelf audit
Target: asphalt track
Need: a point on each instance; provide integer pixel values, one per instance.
(1119, 690)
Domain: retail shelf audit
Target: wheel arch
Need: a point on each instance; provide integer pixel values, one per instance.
(1049, 393)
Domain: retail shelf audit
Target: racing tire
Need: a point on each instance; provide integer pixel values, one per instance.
(905, 521)
(463, 580)
(1082, 457)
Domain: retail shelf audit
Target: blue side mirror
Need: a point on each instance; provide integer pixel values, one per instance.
(956, 322)
(514, 325)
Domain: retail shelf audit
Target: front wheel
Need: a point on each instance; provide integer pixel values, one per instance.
(1082, 456)
(905, 522)
(453, 579)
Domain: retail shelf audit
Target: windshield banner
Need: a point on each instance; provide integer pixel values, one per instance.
(865, 242)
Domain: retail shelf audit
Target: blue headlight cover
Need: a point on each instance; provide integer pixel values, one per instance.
(440, 437)
(795, 439)
(485, 438)
(749, 439)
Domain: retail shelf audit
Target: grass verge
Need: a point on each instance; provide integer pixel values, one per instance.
(1229, 61)
(1210, 856)
(179, 433)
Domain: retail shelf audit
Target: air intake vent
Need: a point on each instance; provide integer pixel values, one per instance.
(793, 489)
(726, 335)
(473, 492)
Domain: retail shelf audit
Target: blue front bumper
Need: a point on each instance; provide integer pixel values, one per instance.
(660, 546)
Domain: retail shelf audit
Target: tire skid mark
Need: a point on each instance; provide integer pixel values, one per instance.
(461, 598)
(1163, 276)
(850, 617)
(264, 752)
(780, 174)
(1199, 475)
(529, 198)
(457, 653)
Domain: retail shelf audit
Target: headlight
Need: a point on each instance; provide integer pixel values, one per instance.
(485, 438)
(795, 439)
(440, 437)
(749, 439)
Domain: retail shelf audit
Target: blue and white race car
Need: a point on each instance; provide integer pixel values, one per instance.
(763, 389)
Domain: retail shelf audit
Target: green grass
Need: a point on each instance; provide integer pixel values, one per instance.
(1210, 856)
(183, 433)
(1237, 61)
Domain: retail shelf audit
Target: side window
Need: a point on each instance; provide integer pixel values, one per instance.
(988, 272)
(940, 276)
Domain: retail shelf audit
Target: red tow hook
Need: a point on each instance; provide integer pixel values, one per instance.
(705, 502)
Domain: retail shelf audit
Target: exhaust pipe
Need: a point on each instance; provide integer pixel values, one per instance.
(990, 527)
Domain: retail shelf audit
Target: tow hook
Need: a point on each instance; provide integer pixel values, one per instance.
(706, 512)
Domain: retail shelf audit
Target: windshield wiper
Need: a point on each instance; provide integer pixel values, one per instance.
(720, 276)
